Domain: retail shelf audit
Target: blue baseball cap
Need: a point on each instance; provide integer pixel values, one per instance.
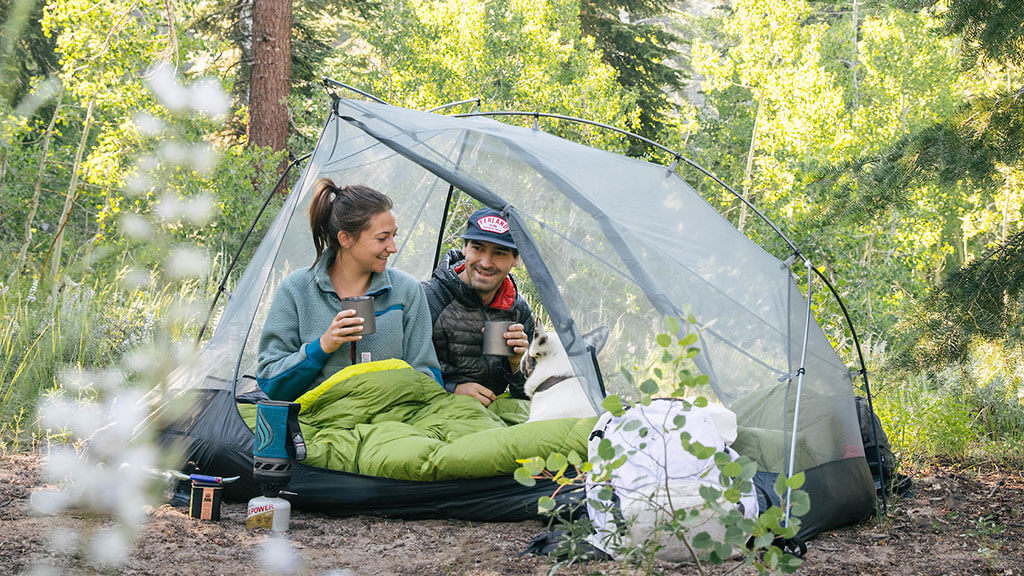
(488, 225)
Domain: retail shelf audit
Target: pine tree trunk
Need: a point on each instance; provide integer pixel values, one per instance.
(270, 73)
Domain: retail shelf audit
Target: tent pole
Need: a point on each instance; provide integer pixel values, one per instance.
(799, 388)
(444, 224)
(328, 82)
(241, 245)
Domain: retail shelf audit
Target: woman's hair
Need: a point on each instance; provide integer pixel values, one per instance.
(347, 209)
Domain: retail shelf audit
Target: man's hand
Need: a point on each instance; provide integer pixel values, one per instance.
(475, 390)
(516, 338)
(344, 328)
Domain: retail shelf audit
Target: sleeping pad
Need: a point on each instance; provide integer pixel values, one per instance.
(386, 419)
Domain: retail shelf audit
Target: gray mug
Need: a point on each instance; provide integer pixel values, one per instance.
(494, 338)
(363, 305)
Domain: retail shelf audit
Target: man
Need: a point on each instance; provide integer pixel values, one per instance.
(468, 288)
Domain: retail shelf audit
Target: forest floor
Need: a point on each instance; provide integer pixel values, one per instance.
(956, 520)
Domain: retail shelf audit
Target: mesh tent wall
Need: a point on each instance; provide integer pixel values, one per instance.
(606, 240)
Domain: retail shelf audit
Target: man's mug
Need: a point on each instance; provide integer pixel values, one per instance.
(363, 305)
(494, 338)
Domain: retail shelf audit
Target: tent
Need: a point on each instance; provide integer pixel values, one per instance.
(606, 240)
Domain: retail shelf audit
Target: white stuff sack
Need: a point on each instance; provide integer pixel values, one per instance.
(660, 476)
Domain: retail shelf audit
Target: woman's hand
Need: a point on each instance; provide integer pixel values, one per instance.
(345, 327)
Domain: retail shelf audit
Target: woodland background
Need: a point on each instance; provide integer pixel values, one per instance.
(140, 137)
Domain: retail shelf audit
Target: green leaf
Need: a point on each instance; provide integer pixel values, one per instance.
(709, 493)
(523, 476)
(649, 387)
(545, 504)
(605, 450)
(534, 465)
(688, 340)
(732, 469)
(679, 420)
(664, 340)
(631, 425)
(700, 402)
(749, 467)
(556, 462)
(702, 379)
(723, 550)
(703, 541)
(574, 458)
(613, 404)
(799, 503)
(673, 325)
(789, 563)
(780, 486)
(796, 481)
(701, 452)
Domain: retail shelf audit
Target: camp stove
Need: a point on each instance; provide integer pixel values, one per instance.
(277, 445)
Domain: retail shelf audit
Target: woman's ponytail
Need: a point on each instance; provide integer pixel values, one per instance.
(348, 209)
(324, 193)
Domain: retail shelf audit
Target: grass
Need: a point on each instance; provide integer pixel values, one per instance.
(82, 327)
(971, 412)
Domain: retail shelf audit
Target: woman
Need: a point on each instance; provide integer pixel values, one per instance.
(307, 337)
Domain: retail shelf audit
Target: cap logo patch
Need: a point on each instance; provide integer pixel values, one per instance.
(493, 224)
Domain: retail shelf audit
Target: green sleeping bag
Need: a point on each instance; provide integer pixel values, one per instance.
(386, 419)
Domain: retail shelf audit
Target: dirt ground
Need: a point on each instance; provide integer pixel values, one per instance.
(956, 521)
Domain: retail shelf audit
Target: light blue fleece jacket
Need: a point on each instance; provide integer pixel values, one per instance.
(291, 360)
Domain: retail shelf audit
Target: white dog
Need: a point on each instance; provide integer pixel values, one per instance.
(551, 384)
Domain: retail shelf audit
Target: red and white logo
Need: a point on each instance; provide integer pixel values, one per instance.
(493, 224)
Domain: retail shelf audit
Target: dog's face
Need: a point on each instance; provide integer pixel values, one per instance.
(543, 346)
(547, 357)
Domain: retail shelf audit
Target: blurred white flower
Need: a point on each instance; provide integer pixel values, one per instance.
(43, 92)
(63, 540)
(138, 183)
(206, 96)
(187, 311)
(55, 412)
(277, 555)
(137, 278)
(141, 360)
(61, 463)
(169, 208)
(48, 502)
(188, 262)
(200, 210)
(204, 158)
(109, 547)
(136, 227)
(174, 152)
(163, 82)
(147, 124)
(42, 568)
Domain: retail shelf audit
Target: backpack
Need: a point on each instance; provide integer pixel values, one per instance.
(878, 452)
(627, 511)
